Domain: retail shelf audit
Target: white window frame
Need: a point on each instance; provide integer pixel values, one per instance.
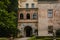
(50, 13)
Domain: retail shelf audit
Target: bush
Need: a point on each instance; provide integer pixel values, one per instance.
(3, 39)
(42, 38)
(8, 32)
(58, 33)
(32, 38)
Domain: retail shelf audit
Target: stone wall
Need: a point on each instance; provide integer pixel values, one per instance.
(43, 19)
(21, 27)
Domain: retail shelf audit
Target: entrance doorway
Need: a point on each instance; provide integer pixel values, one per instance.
(28, 31)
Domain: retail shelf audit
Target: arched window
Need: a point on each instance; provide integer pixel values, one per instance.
(35, 16)
(28, 16)
(21, 16)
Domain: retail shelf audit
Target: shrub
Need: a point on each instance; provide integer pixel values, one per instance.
(32, 38)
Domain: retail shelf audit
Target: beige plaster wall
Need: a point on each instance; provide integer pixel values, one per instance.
(23, 4)
(44, 21)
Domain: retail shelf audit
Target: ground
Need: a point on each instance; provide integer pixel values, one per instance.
(21, 38)
(26, 38)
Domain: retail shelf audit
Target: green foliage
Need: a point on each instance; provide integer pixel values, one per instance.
(58, 33)
(3, 39)
(8, 18)
(43, 38)
(32, 38)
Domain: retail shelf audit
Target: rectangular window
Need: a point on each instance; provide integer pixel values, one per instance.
(50, 29)
(27, 5)
(32, 5)
(50, 13)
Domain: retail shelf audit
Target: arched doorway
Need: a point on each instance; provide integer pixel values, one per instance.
(28, 31)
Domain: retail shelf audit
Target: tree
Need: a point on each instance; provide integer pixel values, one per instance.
(8, 17)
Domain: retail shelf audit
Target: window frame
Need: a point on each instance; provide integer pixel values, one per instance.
(35, 16)
(50, 29)
(50, 13)
(32, 5)
(27, 5)
(27, 16)
(21, 16)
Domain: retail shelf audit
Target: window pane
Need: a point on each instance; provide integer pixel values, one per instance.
(27, 5)
(21, 16)
(28, 16)
(50, 29)
(35, 16)
(50, 13)
(32, 5)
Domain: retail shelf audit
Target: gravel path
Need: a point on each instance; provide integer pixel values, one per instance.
(21, 38)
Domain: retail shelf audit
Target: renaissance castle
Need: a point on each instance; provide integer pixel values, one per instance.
(38, 17)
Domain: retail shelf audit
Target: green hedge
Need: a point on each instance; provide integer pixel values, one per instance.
(57, 38)
(42, 38)
(3, 39)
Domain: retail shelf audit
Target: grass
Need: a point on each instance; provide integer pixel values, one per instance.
(48, 39)
(3, 39)
(43, 38)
